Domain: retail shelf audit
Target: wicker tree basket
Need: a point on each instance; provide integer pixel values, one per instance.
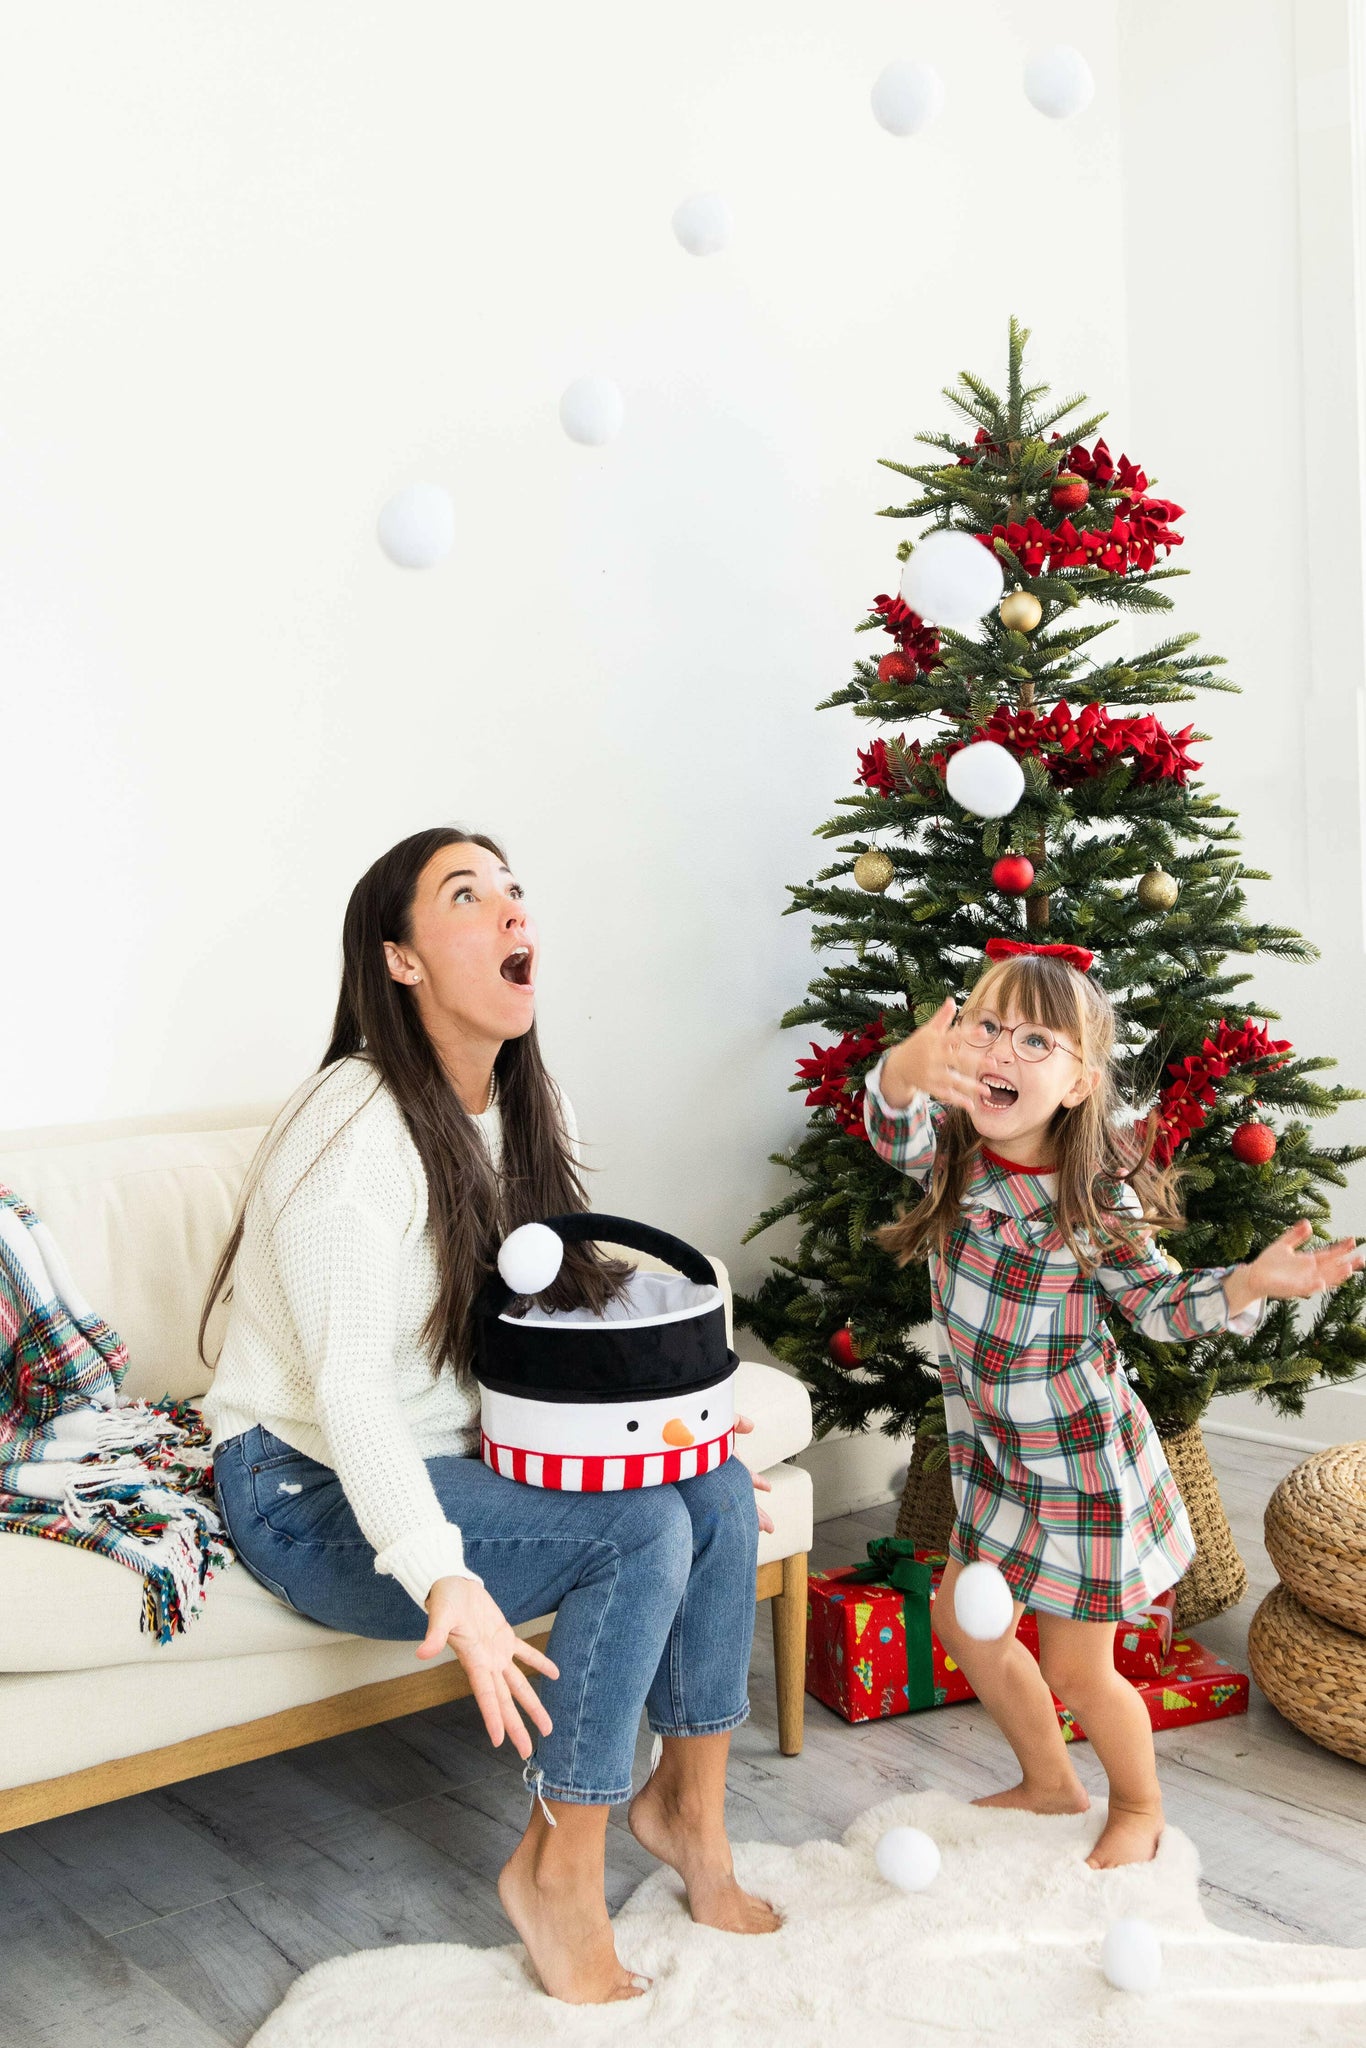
(927, 1513)
(1312, 1671)
(1316, 1534)
(1217, 1578)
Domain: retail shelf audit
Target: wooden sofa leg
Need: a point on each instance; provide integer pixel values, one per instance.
(789, 1654)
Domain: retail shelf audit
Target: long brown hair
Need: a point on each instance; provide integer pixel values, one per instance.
(1095, 1153)
(470, 1208)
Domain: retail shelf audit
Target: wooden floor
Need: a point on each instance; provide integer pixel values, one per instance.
(178, 1919)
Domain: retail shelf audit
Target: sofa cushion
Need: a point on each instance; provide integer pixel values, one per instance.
(65, 1609)
(140, 1222)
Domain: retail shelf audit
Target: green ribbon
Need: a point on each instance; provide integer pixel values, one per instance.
(892, 1562)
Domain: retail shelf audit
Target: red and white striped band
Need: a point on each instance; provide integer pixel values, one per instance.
(606, 1475)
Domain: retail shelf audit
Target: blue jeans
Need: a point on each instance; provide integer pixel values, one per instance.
(653, 1590)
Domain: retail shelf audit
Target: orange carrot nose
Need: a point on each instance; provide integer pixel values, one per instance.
(678, 1434)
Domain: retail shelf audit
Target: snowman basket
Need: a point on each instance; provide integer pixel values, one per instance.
(639, 1394)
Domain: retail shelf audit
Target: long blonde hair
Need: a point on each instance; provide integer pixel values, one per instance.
(1095, 1154)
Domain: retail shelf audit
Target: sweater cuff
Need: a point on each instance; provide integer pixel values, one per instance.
(419, 1560)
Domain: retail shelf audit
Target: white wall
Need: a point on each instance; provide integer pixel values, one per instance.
(1241, 199)
(269, 264)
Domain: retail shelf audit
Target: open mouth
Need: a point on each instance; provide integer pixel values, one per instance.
(998, 1094)
(517, 967)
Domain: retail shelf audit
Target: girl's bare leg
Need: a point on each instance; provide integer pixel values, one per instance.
(679, 1815)
(551, 1889)
(1010, 1686)
(1078, 1661)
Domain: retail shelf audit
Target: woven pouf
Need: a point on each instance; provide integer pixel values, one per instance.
(1217, 1578)
(1312, 1671)
(1316, 1534)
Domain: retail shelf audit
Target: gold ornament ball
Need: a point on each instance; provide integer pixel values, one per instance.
(1020, 611)
(873, 871)
(1158, 890)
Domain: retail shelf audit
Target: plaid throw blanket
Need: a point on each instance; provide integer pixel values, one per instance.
(131, 1480)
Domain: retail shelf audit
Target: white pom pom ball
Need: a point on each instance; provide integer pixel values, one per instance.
(529, 1258)
(982, 1602)
(906, 96)
(951, 580)
(985, 779)
(703, 224)
(1131, 1956)
(591, 411)
(417, 526)
(1059, 82)
(907, 1858)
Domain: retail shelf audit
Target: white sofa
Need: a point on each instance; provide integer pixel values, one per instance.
(90, 1707)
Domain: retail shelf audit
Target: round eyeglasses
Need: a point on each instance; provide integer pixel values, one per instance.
(1032, 1042)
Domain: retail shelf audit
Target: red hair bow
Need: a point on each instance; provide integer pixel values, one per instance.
(1006, 949)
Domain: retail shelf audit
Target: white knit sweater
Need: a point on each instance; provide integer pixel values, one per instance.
(334, 1280)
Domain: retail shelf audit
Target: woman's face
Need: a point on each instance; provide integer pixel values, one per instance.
(473, 950)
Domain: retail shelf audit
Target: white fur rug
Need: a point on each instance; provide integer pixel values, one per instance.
(1003, 1947)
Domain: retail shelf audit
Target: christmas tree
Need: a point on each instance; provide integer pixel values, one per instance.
(1114, 845)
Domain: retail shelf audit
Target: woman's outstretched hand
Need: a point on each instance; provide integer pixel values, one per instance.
(1283, 1272)
(743, 1426)
(460, 1612)
(926, 1063)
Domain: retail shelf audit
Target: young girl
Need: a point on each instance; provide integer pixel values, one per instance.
(1035, 1217)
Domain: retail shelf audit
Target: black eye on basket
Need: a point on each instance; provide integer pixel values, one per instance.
(704, 1414)
(633, 1425)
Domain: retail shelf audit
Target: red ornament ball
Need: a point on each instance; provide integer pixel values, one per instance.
(1013, 874)
(843, 1349)
(897, 667)
(1253, 1143)
(1070, 493)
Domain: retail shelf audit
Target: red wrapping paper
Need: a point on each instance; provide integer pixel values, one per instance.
(856, 1647)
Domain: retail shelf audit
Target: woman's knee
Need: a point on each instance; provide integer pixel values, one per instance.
(651, 1532)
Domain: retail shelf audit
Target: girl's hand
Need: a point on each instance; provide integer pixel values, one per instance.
(1285, 1273)
(926, 1063)
(743, 1426)
(460, 1612)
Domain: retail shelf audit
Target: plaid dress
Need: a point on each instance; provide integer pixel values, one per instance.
(1058, 1474)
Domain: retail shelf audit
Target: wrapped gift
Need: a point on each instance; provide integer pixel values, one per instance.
(1194, 1685)
(870, 1649)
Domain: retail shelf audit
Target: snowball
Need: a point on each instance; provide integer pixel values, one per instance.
(529, 1258)
(906, 96)
(907, 1858)
(417, 526)
(982, 1602)
(591, 411)
(1131, 1956)
(951, 580)
(1059, 82)
(985, 779)
(703, 224)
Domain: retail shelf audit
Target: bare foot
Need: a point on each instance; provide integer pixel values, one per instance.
(701, 1856)
(1131, 1835)
(1067, 1796)
(567, 1935)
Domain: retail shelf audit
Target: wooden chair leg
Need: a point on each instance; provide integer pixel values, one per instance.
(789, 1654)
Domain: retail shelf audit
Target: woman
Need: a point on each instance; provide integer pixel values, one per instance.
(346, 1422)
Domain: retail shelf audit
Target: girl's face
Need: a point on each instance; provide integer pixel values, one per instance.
(1024, 1074)
(472, 954)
